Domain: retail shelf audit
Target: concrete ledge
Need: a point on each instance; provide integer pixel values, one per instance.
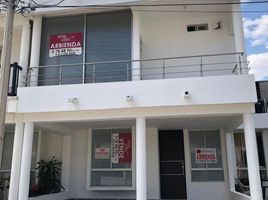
(56, 196)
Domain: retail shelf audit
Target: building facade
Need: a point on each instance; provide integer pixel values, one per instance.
(137, 101)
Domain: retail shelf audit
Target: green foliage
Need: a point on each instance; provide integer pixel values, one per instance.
(49, 176)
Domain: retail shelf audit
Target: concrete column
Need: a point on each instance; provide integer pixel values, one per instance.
(66, 162)
(239, 36)
(252, 157)
(136, 66)
(141, 177)
(24, 53)
(25, 171)
(16, 162)
(35, 49)
(230, 147)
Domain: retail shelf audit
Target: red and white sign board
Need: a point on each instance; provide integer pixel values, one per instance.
(121, 148)
(206, 155)
(65, 44)
(102, 153)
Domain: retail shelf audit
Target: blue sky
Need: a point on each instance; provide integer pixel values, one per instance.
(256, 34)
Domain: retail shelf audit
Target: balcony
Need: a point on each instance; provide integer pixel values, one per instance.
(145, 69)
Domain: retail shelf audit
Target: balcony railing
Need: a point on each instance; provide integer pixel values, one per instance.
(145, 69)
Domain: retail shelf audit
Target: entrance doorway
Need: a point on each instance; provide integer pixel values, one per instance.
(172, 164)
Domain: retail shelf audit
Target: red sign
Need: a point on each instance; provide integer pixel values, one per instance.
(206, 155)
(65, 44)
(102, 153)
(121, 148)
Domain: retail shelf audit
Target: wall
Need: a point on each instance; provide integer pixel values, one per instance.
(169, 92)
(16, 41)
(164, 34)
(238, 196)
(206, 190)
(78, 172)
(51, 145)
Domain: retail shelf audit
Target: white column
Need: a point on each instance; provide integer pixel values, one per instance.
(141, 177)
(24, 53)
(25, 171)
(136, 66)
(252, 157)
(16, 162)
(66, 162)
(230, 147)
(239, 34)
(35, 49)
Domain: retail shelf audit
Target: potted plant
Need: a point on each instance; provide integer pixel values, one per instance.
(48, 173)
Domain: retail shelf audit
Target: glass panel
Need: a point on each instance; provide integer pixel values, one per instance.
(240, 150)
(101, 139)
(111, 178)
(196, 141)
(207, 175)
(213, 140)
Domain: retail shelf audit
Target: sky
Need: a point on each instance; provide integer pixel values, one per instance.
(256, 35)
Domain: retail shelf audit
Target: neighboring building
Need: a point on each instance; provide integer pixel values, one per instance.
(136, 101)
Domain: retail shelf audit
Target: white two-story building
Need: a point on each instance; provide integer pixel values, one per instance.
(137, 99)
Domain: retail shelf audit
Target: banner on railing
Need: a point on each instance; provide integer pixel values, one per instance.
(121, 148)
(65, 44)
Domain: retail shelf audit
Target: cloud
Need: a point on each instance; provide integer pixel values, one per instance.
(258, 64)
(256, 31)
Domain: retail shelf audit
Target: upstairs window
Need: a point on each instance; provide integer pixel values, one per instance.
(197, 27)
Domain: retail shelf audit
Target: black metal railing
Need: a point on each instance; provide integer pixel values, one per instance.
(13, 79)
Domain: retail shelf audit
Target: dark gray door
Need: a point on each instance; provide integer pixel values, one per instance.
(172, 167)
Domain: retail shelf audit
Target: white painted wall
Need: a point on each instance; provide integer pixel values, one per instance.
(164, 34)
(196, 191)
(78, 170)
(238, 196)
(206, 190)
(51, 145)
(16, 39)
(169, 92)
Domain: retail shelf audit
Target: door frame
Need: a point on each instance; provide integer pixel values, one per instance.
(185, 134)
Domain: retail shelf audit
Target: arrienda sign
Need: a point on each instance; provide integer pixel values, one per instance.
(205, 155)
(65, 44)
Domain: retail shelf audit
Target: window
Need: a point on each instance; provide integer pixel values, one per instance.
(241, 157)
(111, 158)
(198, 27)
(206, 156)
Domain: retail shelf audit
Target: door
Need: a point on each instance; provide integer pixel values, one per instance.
(172, 167)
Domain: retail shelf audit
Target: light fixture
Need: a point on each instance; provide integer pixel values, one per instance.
(72, 100)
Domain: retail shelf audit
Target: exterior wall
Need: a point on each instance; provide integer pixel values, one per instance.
(206, 190)
(165, 35)
(200, 190)
(224, 90)
(78, 172)
(51, 145)
(238, 196)
(16, 42)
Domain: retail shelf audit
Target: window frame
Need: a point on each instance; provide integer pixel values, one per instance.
(206, 164)
(196, 27)
(89, 163)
